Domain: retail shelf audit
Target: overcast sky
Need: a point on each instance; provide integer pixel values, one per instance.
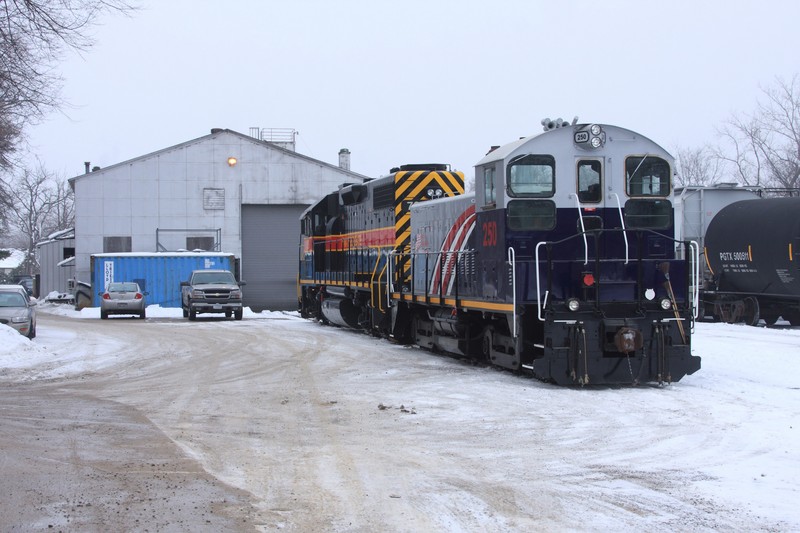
(414, 80)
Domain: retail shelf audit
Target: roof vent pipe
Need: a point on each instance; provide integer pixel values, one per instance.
(344, 159)
(87, 164)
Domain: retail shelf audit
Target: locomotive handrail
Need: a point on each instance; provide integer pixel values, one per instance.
(449, 263)
(693, 245)
(538, 285)
(389, 279)
(583, 232)
(693, 273)
(622, 221)
(512, 258)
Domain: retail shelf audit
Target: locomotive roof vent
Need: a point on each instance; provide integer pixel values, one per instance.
(548, 124)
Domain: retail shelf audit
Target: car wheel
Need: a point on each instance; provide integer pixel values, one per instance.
(185, 312)
(142, 315)
(237, 314)
(103, 315)
(192, 314)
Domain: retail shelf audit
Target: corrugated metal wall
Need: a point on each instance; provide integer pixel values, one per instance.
(53, 277)
(270, 241)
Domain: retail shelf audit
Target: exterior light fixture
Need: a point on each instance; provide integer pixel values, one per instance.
(232, 161)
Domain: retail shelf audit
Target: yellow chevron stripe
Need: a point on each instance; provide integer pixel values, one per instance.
(404, 183)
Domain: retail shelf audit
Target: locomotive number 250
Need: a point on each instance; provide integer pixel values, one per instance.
(490, 233)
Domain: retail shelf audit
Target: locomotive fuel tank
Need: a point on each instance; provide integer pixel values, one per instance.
(753, 246)
(338, 308)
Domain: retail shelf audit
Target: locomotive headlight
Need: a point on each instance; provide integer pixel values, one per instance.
(666, 304)
(596, 142)
(595, 130)
(573, 304)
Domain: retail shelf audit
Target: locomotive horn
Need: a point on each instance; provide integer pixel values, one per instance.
(664, 268)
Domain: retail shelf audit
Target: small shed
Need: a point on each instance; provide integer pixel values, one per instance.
(56, 257)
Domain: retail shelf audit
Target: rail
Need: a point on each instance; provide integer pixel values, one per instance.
(583, 231)
(622, 221)
(512, 259)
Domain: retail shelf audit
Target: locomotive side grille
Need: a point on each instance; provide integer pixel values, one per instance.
(417, 186)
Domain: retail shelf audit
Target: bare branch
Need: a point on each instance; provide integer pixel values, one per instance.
(34, 34)
(765, 149)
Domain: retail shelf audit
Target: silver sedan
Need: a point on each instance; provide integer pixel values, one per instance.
(17, 311)
(122, 298)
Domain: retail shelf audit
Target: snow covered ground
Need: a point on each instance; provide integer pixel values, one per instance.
(729, 435)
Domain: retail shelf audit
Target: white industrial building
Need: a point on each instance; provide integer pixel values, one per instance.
(223, 192)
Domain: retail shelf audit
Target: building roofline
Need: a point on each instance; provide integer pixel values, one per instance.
(216, 132)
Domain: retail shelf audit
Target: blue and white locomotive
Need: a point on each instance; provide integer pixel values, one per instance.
(562, 263)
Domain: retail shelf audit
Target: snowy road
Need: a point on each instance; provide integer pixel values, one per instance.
(276, 422)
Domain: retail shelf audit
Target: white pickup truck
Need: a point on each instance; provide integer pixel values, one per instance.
(211, 291)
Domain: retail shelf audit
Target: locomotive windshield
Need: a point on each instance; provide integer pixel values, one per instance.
(532, 176)
(647, 176)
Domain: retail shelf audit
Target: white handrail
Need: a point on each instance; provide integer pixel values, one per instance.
(695, 247)
(512, 258)
(538, 290)
(583, 232)
(622, 221)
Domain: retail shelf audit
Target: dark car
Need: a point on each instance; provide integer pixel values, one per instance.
(122, 298)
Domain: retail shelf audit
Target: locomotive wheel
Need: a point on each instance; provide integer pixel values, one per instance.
(751, 313)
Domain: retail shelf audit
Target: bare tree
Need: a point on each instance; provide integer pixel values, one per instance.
(41, 204)
(763, 149)
(697, 166)
(34, 35)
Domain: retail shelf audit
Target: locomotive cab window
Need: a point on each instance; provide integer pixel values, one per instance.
(532, 176)
(488, 187)
(531, 215)
(590, 181)
(647, 175)
(651, 214)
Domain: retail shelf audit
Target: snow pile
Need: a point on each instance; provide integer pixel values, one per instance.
(18, 351)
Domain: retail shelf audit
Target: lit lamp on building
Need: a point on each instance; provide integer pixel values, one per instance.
(232, 161)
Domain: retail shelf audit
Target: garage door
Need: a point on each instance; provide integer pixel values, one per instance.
(270, 243)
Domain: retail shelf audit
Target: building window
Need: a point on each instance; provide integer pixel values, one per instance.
(68, 252)
(113, 245)
(200, 243)
(213, 199)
